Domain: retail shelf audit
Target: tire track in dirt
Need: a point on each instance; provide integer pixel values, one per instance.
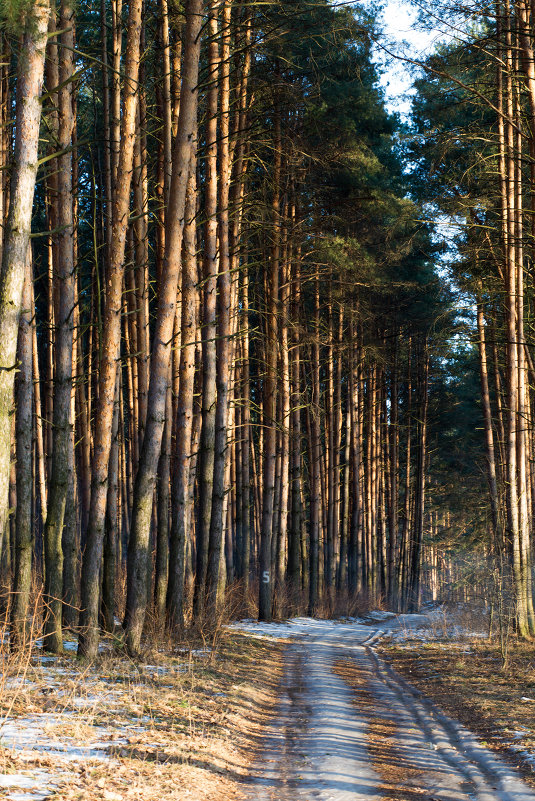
(348, 728)
(315, 748)
(490, 778)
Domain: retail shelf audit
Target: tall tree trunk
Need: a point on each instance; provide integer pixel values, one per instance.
(284, 484)
(111, 341)
(38, 412)
(345, 516)
(487, 416)
(184, 416)
(30, 71)
(294, 556)
(223, 345)
(205, 476)
(417, 538)
(393, 510)
(405, 527)
(62, 419)
(245, 438)
(508, 197)
(163, 335)
(356, 544)
(314, 462)
(270, 393)
(109, 566)
(24, 533)
(162, 537)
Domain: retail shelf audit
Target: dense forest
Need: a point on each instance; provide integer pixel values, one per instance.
(243, 367)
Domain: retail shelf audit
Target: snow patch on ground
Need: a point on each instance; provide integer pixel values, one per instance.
(65, 735)
(435, 624)
(44, 733)
(69, 647)
(383, 622)
(296, 627)
(379, 615)
(527, 756)
(432, 625)
(20, 787)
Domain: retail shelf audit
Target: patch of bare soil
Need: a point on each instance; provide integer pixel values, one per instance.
(182, 728)
(466, 680)
(400, 781)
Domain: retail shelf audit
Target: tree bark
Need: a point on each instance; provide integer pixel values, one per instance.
(24, 535)
(64, 340)
(270, 393)
(111, 341)
(184, 417)
(163, 336)
(487, 417)
(17, 229)
(205, 476)
(223, 346)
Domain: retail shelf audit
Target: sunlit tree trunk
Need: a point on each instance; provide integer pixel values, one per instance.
(270, 393)
(142, 501)
(418, 519)
(487, 416)
(281, 522)
(516, 519)
(161, 576)
(223, 345)
(30, 71)
(109, 562)
(356, 535)
(294, 541)
(314, 462)
(393, 467)
(403, 559)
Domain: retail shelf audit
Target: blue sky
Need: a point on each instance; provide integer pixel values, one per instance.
(403, 35)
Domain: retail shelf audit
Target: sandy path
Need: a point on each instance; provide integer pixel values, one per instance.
(318, 747)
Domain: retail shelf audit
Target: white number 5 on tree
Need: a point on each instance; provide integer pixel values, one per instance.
(265, 577)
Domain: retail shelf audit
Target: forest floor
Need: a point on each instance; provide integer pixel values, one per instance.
(307, 710)
(183, 725)
(466, 677)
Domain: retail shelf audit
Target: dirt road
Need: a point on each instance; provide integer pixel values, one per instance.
(348, 727)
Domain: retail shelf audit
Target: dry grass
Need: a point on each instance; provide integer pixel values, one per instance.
(290, 603)
(184, 726)
(467, 680)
